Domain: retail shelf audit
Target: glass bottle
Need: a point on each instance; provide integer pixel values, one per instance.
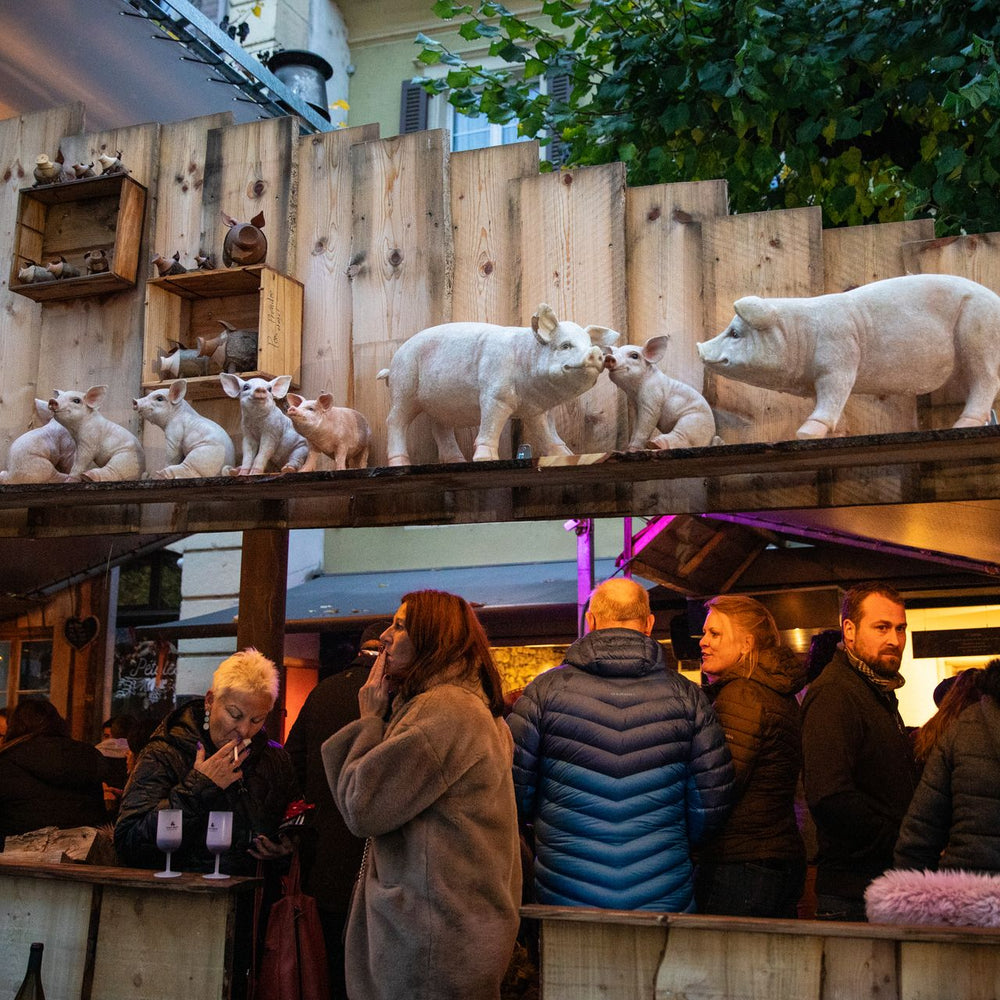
(31, 988)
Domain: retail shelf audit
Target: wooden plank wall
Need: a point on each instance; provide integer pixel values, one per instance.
(391, 235)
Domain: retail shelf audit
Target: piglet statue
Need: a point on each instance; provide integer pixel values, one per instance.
(338, 432)
(105, 451)
(42, 455)
(196, 446)
(244, 243)
(659, 402)
(461, 374)
(903, 335)
(270, 442)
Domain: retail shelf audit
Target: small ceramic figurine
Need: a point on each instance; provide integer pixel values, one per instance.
(196, 446)
(96, 261)
(164, 266)
(659, 402)
(204, 262)
(33, 273)
(904, 335)
(61, 268)
(42, 455)
(244, 243)
(270, 442)
(462, 374)
(105, 451)
(183, 362)
(83, 170)
(111, 164)
(232, 350)
(49, 172)
(338, 432)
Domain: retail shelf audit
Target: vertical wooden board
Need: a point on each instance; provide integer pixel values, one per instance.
(486, 231)
(250, 168)
(930, 971)
(587, 961)
(665, 270)
(976, 257)
(178, 221)
(855, 256)
(573, 258)
(712, 965)
(772, 254)
(98, 341)
(51, 911)
(322, 256)
(401, 262)
(854, 968)
(21, 140)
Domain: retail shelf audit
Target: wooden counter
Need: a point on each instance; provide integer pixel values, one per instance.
(123, 934)
(586, 954)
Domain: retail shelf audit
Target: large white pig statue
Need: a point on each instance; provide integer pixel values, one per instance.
(270, 442)
(105, 451)
(196, 446)
(660, 403)
(904, 335)
(42, 455)
(463, 374)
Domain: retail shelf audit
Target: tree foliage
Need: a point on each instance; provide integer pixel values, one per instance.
(876, 110)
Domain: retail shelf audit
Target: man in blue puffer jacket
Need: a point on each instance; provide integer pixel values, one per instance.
(619, 764)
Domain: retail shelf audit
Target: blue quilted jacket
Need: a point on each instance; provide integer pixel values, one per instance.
(622, 768)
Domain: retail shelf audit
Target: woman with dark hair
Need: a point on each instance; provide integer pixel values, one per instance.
(46, 777)
(962, 692)
(429, 783)
(755, 866)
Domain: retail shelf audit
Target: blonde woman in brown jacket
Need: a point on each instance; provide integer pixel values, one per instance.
(435, 910)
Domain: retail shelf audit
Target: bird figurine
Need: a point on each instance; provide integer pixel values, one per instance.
(33, 273)
(48, 171)
(60, 268)
(81, 170)
(96, 261)
(171, 266)
(111, 164)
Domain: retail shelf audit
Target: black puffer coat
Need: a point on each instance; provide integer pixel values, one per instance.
(760, 717)
(165, 778)
(954, 818)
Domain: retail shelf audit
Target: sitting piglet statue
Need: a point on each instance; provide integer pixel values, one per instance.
(196, 446)
(338, 432)
(270, 442)
(105, 451)
(461, 374)
(660, 403)
(902, 335)
(42, 455)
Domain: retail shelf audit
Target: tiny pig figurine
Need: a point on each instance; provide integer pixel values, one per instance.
(33, 273)
(164, 266)
(48, 172)
(183, 362)
(461, 374)
(232, 350)
(41, 455)
(901, 335)
(244, 243)
(270, 442)
(660, 403)
(62, 269)
(97, 261)
(111, 164)
(196, 446)
(81, 170)
(105, 451)
(338, 432)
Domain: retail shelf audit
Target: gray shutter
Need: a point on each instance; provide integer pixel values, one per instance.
(559, 87)
(412, 108)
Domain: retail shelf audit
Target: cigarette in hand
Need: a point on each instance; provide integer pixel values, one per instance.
(236, 753)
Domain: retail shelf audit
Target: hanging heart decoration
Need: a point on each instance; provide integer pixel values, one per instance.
(81, 632)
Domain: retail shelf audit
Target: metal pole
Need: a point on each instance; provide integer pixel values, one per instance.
(584, 570)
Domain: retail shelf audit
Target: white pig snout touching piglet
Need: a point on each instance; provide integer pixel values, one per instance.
(339, 432)
(658, 402)
(905, 335)
(467, 374)
(270, 442)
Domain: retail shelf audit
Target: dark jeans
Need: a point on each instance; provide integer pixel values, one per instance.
(333, 921)
(770, 887)
(840, 908)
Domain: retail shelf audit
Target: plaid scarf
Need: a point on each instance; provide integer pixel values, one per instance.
(885, 685)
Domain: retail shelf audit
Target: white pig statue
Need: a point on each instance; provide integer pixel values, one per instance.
(902, 335)
(42, 455)
(270, 442)
(338, 432)
(196, 446)
(461, 374)
(105, 451)
(660, 403)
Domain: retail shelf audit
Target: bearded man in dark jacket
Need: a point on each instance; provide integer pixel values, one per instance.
(619, 764)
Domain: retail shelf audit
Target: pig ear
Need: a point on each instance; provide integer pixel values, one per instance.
(94, 396)
(280, 385)
(231, 384)
(228, 219)
(294, 399)
(544, 322)
(258, 220)
(654, 349)
(226, 325)
(325, 400)
(756, 311)
(178, 390)
(602, 336)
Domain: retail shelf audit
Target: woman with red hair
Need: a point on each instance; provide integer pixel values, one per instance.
(428, 783)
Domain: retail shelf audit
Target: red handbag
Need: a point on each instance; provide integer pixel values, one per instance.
(293, 966)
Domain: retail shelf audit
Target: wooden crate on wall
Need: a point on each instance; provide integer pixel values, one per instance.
(182, 307)
(67, 220)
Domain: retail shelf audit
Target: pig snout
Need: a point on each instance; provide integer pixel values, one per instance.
(53, 405)
(710, 354)
(609, 362)
(594, 358)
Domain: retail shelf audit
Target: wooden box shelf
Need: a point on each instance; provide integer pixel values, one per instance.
(68, 219)
(182, 307)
